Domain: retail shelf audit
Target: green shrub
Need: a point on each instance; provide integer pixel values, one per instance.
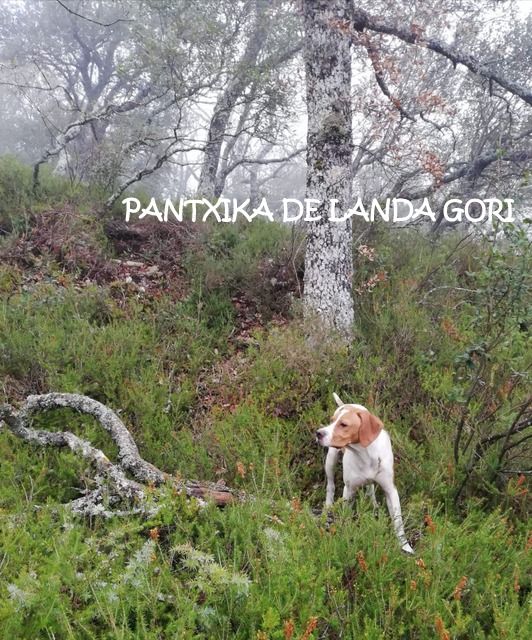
(253, 569)
(18, 201)
(256, 261)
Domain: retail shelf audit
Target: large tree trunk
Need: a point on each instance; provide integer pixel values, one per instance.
(328, 259)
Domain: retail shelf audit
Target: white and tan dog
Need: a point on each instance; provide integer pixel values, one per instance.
(368, 458)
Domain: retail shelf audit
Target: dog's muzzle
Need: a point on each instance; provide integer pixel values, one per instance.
(320, 435)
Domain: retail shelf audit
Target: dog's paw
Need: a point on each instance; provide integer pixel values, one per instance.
(407, 548)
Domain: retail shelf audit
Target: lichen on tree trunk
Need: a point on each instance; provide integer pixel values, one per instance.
(328, 258)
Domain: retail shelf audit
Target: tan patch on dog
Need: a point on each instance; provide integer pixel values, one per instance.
(354, 427)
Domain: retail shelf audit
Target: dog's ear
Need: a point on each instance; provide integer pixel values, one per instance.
(370, 427)
(337, 400)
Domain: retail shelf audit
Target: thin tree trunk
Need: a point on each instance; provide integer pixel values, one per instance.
(227, 102)
(218, 125)
(328, 259)
(253, 187)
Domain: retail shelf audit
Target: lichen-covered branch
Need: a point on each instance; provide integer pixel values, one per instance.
(361, 20)
(114, 485)
(128, 454)
(73, 130)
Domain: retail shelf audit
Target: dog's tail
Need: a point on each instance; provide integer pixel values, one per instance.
(337, 400)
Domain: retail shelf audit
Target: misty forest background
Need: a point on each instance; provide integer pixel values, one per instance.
(216, 347)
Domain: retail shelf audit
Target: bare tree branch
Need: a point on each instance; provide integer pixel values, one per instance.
(74, 128)
(474, 168)
(286, 158)
(170, 151)
(101, 24)
(518, 425)
(362, 20)
(380, 78)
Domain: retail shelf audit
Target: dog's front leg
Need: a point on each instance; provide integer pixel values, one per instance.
(330, 464)
(394, 508)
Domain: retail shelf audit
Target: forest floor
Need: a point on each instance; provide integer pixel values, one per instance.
(193, 333)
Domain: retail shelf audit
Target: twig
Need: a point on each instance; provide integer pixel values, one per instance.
(101, 24)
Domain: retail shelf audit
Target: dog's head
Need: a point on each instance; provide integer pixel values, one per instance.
(350, 424)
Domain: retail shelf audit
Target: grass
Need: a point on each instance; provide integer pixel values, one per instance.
(208, 399)
(252, 568)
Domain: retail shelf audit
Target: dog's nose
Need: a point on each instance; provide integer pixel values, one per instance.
(319, 434)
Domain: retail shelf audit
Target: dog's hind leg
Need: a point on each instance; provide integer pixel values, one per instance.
(330, 464)
(394, 508)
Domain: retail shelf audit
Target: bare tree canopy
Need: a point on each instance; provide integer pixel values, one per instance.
(213, 99)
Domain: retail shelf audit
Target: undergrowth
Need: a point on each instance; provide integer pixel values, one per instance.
(213, 389)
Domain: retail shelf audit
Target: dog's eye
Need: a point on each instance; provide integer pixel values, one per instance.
(343, 424)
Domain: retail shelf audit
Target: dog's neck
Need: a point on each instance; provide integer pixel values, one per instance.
(358, 448)
(355, 448)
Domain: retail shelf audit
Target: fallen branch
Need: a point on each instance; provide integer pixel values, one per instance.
(113, 485)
